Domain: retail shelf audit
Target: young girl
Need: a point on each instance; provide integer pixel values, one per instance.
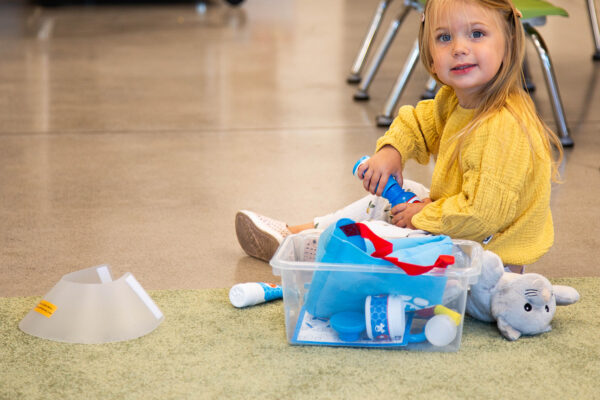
(493, 170)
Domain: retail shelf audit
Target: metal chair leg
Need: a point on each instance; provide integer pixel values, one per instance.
(595, 31)
(528, 84)
(361, 92)
(430, 89)
(354, 76)
(386, 118)
(557, 107)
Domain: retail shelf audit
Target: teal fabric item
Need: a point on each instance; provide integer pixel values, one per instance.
(333, 291)
(337, 247)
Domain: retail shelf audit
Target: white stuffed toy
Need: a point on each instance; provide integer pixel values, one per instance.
(520, 304)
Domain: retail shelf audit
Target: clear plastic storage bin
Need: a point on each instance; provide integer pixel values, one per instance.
(355, 312)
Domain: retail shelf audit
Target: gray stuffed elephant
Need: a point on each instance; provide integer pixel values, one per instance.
(520, 304)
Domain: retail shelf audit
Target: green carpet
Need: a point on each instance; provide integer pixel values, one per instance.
(206, 348)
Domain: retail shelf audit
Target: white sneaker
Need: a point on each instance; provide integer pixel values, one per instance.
(258, 235)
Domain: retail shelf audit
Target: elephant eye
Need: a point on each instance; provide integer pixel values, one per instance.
(547, 309)
(527, 307)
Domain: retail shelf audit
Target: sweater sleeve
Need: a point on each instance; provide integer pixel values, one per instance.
(495, 162)
(416, 131)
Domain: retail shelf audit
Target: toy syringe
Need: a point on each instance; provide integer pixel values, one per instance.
(393, 192)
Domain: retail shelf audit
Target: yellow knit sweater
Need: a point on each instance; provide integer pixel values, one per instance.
(501, 188)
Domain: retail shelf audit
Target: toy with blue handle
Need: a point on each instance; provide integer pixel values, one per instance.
(393, 192)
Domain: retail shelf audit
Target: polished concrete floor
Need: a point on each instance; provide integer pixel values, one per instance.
(130, 135)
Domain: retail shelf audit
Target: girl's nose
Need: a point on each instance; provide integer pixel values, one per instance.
(459, 48)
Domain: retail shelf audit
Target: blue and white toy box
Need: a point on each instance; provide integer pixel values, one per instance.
(360, 305)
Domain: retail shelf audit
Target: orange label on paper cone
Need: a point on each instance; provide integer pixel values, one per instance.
(45, 308)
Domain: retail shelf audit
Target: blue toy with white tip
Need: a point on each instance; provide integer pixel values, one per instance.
(393, 192)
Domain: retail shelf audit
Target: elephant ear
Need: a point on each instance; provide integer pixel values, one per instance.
(507, 330)
(565, 295)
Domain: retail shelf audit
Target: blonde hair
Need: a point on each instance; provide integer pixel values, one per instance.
(507, 82)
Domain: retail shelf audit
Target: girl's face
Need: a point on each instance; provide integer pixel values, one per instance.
(467, 48)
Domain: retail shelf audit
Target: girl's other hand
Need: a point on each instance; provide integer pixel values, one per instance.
(402, 213)
(376, 170)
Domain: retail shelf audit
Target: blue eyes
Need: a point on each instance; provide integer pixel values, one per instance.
(446, 37)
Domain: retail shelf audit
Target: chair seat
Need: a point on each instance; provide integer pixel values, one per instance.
(538, 8)
(532, 8)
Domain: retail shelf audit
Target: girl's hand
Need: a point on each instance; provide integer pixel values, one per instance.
(377, 169)
(402, 213)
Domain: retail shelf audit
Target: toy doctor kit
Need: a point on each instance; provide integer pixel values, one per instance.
(393, 192)
(252, 293)
(366, 290)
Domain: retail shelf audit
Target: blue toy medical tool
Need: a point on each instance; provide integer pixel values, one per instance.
(393, 192)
